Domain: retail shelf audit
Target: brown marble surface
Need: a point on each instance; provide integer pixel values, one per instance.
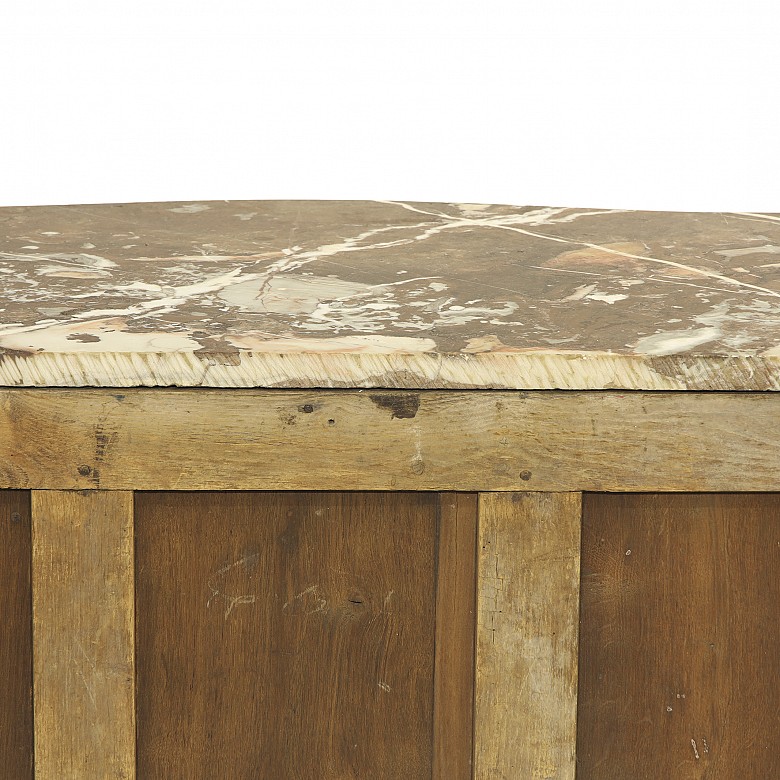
(388, 294)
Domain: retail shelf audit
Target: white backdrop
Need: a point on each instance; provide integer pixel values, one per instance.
(662, 105)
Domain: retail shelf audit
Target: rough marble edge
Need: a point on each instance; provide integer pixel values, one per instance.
(538, 370)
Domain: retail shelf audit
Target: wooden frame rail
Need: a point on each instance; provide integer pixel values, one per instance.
(548, 441)
(529, 456)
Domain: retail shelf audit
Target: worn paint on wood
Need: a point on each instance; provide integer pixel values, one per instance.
(286, 634)
(455, 624)
(83, 638)
(299, 440)
(16, 713)
(679, 663)
(526, 680)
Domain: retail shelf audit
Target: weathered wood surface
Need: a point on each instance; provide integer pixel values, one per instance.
(16, 712)
(83, 635)
(456, 579)
(286, 635)
(350, 440)
(527, 625)
(679, 662)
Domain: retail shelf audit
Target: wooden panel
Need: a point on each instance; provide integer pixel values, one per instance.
(455, 623)
(526, 687)
(16, 714)
(163, 439)
(680, 670)
(292, 634)
(83, 635)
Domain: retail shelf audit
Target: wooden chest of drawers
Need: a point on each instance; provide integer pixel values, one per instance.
(388, 490)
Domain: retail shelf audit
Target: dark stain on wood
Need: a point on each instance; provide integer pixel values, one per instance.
(287, 418)
(6, 352)
(103, 440)
(680, 629)
(16, 713)
(85, 338)
(284, 634)
(218, 350)
(402, 405)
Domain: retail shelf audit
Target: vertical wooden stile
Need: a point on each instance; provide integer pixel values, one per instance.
(16, 727)
(453, 722)
(527, 630)
(83, 634)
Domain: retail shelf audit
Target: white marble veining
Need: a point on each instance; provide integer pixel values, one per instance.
(388, 294)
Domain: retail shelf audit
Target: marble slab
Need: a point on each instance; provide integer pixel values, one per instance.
(388, 294)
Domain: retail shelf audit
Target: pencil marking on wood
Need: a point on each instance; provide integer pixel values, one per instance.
(92, 670)
(248, 563)
(220, 699)
(320, 604)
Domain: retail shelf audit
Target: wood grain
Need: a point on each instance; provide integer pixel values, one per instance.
(679, 663)
(456, 580)
(16, 713)
(163, 439)
(285, 634)
(83, 635)
(526, 680)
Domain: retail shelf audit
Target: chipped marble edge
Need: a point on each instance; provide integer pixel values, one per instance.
(536, 370)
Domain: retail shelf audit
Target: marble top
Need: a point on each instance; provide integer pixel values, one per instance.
(388, 294)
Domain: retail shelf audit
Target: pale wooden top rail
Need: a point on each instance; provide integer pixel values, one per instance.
(388, 294)
(200, 439)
